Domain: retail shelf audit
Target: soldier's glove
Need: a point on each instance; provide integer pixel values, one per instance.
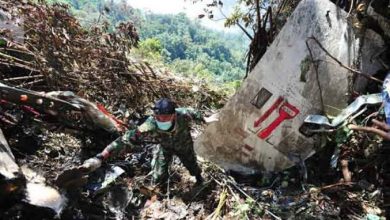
(78, 176)
(212, 118)
(91, 164)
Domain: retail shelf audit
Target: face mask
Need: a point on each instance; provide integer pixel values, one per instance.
(164, 125)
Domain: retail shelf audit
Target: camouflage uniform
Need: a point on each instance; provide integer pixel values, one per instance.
(177, 142)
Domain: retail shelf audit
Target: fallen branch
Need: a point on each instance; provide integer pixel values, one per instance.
(337, 184)
(222, 200)
(14, 58)
(30, 83)
(317, 75)
(19, 65)
(350, 8)
(368, 76)
(16, 50)
(23, 77)
(228, 181)
(381, 128)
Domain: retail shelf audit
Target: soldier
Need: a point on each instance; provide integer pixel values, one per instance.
(170, 126)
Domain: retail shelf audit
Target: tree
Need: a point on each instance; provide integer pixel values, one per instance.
(184, 45)
(263, 18)
(151, 48)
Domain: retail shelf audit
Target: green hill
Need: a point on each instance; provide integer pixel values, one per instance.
(183, 45)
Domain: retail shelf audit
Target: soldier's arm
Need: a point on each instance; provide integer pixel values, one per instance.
(128, 140)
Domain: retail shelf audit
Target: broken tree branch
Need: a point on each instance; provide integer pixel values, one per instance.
(245, 31)
(16, 50)
(238, 24)
(337, 184)
(19, 65)
(368, 76)
(351, 7)
(258, 16)
(30, 83)
(222, 200)
(6, 56)
(23, 77)
(314, 63)
(231, 181)
(281, 6)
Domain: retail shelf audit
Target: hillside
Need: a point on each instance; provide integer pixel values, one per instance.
(183, 45)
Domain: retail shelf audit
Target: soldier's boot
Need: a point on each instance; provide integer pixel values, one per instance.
(192, 166)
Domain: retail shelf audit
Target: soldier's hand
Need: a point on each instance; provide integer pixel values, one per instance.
(380, 128)
(91, 164)
(212, 118)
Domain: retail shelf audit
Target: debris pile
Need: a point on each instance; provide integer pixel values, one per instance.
(54, 52)
(342, 181)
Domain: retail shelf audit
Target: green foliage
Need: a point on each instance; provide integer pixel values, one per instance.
(235, 17)
(248, 209)
(185, 46)
(342, 134)
(94, 12)
(192, 50)
(3, 43)
(151, 49)
(232, 87)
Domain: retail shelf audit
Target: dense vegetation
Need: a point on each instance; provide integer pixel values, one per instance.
(175, 41)
(192, 49)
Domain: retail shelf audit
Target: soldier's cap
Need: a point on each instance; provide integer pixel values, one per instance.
(164, 106)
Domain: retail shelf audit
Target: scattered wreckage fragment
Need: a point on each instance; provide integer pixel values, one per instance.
(315, 124)
(40, 101)
(319, 123)
(95, 115)
(259, 127)
(38, 193)
(11, 180)
(68, 108)
(23, 183)
(322, 123)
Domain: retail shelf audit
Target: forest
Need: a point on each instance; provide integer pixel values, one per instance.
(175, 41)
